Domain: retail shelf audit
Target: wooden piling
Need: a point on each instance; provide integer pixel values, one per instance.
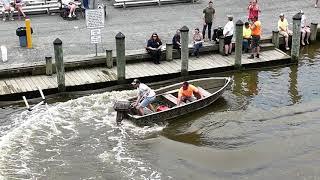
(184, 50)
(121, 58)
(275, 38)
(221, 45)
(109, 59)
(295, 48)
(48, 65)
(169, 48)
(239, 39)
(58, 54)
(314, 31)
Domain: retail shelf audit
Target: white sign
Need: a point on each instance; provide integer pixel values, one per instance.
(95, 36)
(95, 18)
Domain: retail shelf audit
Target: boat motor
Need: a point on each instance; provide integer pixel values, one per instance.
(122, 107)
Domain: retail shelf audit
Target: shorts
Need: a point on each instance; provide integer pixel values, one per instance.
(255, 41)
(227, 40)
(285, 34)
(146, 101)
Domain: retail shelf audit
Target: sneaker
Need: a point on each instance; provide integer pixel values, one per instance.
(4, 19)
(258, 56)
(315, 6)
(11, 19)
(287, 48)
(251, 57)
(225, 54)
(69, 16)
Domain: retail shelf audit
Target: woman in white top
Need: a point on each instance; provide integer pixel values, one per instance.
(197, 42)
(305, 30)
(228, 34)
(71, 6)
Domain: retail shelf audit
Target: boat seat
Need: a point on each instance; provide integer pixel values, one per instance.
(171, 98)
(204, 92)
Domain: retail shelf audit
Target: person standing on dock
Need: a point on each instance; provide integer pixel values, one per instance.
(256, 35)
(145, 96)
(154, 46)
(316, 5)
(284, 30)
(228, 34)
(208, 14)
(253, 10)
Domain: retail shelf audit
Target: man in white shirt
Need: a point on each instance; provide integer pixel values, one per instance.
(228, 34)
(305, 30)
(145, 96)
(7, 9)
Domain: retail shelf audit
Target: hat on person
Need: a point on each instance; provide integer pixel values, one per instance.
(230, 16)
(135, 81)
(210, 2)
(301, 12)
(281, 15)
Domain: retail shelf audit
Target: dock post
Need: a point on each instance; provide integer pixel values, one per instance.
(239, 39)
(58, 55)
(295, 48)
(169, 48)
(184, 50)
(314, 29)
(221, 45)
(48, 65)
(109, 59)
(121, 58)
(275, 38)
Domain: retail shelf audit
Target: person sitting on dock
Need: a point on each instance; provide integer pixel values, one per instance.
(284, 30)
(246, 37)
(197, 42)
(7, 9)
(69, 4)
(145, 97)
(154, 48)
(305, 30)
(188, 92)
(176, 40)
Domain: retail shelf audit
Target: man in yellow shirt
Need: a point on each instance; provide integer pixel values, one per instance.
(187, 93)
(284, 30)
(246, 37)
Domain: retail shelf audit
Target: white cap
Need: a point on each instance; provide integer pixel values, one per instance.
(281, 14)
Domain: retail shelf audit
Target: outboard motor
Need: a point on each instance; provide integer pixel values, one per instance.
(122, 107)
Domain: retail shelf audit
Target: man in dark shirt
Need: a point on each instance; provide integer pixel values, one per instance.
(207, 18)
(176, 40)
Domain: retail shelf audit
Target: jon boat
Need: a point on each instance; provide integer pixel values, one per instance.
(211, 89)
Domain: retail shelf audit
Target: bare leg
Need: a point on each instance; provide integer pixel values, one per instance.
(302, 37)
(151, 108)
(226, 49)
(230, 48)
(141, 112)
(258, 50)
(21, 11)
(308, 36)
(286, 38)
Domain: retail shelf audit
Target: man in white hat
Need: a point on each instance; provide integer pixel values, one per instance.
(305, 30)
(145, 96)
(284, 30)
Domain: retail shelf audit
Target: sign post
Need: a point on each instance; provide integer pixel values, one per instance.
(95, 21)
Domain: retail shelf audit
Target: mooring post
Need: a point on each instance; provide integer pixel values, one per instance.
(169, 48)
(275, 38)
(109, 59)
(58, 55)
(239, 39)
(221, 45)
(295, 48)
(184, 50)
(121, 58)
(314, 31)
(48, 65)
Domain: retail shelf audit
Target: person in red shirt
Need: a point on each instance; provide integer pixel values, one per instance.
(253, 9)
(188, 92)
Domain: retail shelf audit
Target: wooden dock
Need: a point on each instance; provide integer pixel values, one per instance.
(87, 76)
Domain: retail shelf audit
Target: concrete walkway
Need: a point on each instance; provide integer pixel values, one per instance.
(137, 24)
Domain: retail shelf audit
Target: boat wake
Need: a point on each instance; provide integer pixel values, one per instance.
(69, 136)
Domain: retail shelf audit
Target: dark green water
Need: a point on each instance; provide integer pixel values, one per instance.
(265, 127)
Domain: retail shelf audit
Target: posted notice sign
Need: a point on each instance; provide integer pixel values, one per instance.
(95, 36)
(95, 18)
